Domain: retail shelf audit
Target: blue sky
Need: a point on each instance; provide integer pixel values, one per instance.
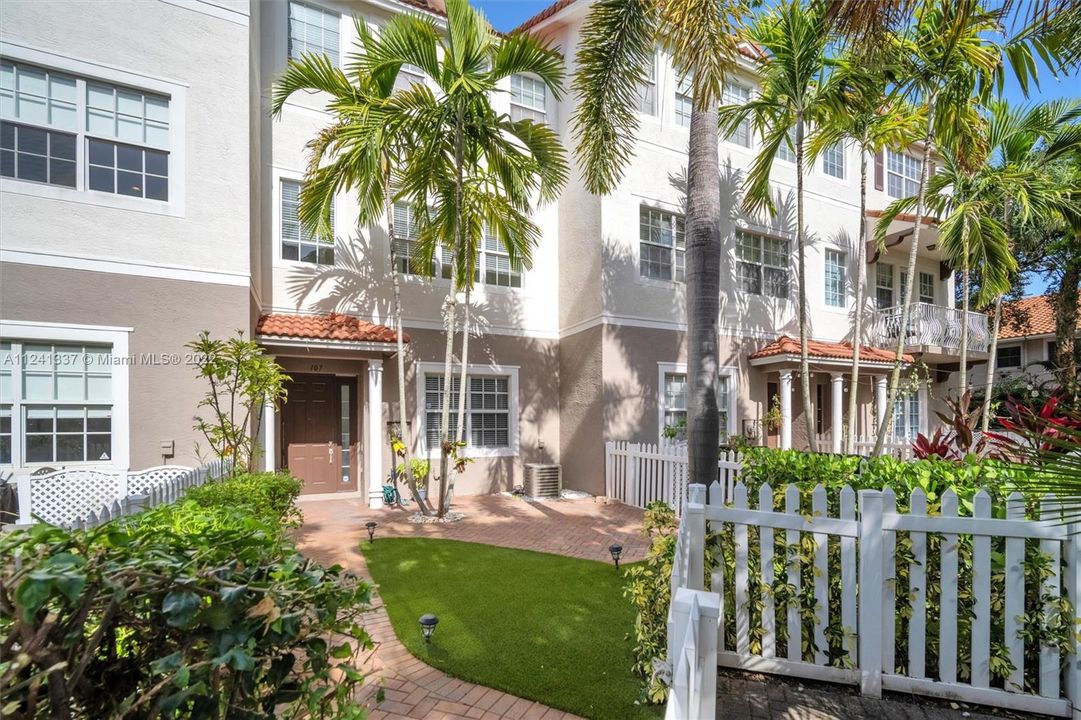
(508, 14)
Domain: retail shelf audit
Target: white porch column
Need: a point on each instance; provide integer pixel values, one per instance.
(925, 409)
(837, 380)
(880, 400)
(786, 409)
(270, 446)
(375, 434)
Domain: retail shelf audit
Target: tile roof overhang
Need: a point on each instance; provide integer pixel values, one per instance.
(1029, 317)
(332, 328)
(786, 349)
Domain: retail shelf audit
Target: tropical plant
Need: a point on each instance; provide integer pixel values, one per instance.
(615, 48)
(792, 71)
(243, 380)
(860, 108)
(464, 168)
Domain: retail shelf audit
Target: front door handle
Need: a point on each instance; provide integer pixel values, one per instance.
(330, 453)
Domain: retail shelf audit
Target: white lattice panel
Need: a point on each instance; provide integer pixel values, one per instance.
(140, 483)
(65, 495)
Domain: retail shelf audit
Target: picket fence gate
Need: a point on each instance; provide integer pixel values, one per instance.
(867, 539)
(640, 473)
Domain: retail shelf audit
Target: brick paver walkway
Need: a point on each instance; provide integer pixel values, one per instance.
(333, 529)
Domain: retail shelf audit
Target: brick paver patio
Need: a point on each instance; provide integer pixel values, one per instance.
(584, 529)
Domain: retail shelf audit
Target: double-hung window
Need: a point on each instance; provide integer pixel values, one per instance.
(662, 244)
(902, 174)
(646, 98)
(1008, 356)
(313, 30)
(884, 285)
(64, 408)
(405, 239)
(736, 94)
(84, 134)
(408, 76)
(787, 149)
(927, 288)
(675, 402)
(836, 270)
(906, 416)
(297, 243)
(488, 420)
(495, 266)
(684, 101)
(528, 98)
(762, 264)
(833, 161)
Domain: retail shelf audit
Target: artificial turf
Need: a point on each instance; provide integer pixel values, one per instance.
(542, 627)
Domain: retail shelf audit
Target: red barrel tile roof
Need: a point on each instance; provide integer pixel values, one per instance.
(332, 326)
(785, 345)
(1028, 316)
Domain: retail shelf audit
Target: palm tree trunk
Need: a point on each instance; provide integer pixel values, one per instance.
(985, 419)
(962, 379)
(804, 364)
(906, 302)
(459, 431)
(703, 277)
(444, 420)
(1066, 325)
(857, 317)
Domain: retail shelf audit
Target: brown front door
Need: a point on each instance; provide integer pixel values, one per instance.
(313, 421)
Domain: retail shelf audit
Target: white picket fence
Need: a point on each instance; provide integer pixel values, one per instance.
(899, 447)
(640, 473)
(85, 497)
(867, 542)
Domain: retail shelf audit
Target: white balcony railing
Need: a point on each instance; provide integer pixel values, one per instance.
(932, 325)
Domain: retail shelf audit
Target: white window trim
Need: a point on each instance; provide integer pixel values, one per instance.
(843, 307)
(656, 83)
(472, 370)
(771, 233)
(339, 61)
(669, 209)
(1012, 368)
(750, 146)
(83, 70)
(731, 371)
(117, 339)
(277, 176)
(530, 108)
(844, 166)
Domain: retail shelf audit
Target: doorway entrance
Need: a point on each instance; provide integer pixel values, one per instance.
(320, 433)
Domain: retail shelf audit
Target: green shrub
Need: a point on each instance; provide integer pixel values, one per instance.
(268, 496)
(200, 609)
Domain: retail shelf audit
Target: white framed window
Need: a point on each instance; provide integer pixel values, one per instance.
(494, 266)
(662, 244)
(786, 151)
(762, 264)
(297, 243)
(906, 416)
(902, 174)
(1008, 356)
(84, 134)
(405, 238)
(673, 398)
(833, 161)
(884, 285)
(313, 30)
(63, 395)
(684, 104)
(736, 94)
(408, 76)
(491, 408)
(528, 98)
(645, 100)
(927, 288)
(836, 271)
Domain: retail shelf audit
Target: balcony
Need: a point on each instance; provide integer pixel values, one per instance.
(933, 332)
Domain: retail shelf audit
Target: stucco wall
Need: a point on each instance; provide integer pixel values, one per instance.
(581, 411)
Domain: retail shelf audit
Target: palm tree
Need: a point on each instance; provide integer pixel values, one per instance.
(860, 108)
(792, 96)
(469, 167)
(459, 164)
(947, 59)
(617, 42)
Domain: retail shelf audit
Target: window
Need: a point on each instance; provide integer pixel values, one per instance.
(902, 174)
(906, 416)
(675, 400)
(495, 266)
(684, 102)
(762, 264)
(83, 134)
(833, 161)
(1008, 357)
(927, 288)
(662, 244)
(736, 94)
(490, 410)
(884, 285)
(346, 426)
(835, 278)
(528, 98)
(646, 98)
(65, 408)
(675, 396)
(313, 30)
(297, 243)
(405, 238)
(787, 150)
(408, 76)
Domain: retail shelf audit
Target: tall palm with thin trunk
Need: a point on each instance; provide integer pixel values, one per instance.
(618, 41)
(792, 98)
(860, 108)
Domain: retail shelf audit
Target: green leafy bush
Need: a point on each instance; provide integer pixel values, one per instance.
(200, 609)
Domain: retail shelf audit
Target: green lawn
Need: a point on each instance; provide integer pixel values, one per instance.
(543, 627)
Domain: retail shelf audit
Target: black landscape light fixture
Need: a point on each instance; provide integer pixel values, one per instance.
(371, 530)
(616, 551)
(427, 626)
